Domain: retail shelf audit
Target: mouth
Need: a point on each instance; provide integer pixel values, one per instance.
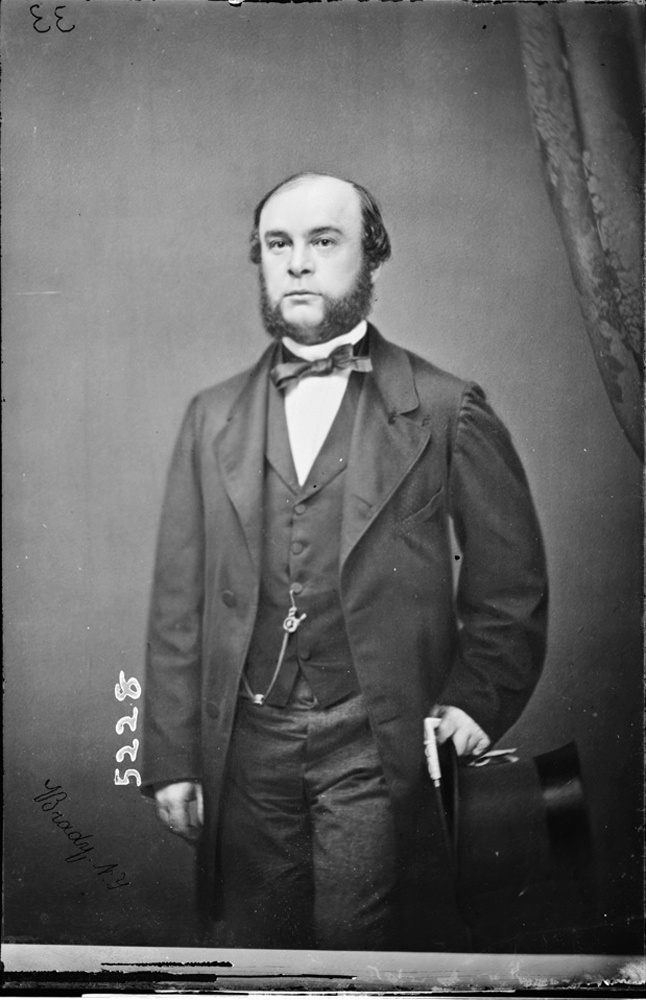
(300, 294)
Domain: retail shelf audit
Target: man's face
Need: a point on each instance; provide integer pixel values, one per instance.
(313, 277)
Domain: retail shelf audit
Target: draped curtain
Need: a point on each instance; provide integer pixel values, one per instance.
(584, 77)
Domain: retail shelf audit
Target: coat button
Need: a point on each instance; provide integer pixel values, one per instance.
(212, 709)
(305, 653)
(229, 598)
(300, 508)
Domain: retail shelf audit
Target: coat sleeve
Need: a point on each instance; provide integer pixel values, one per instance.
(502, 589)
(171, 731)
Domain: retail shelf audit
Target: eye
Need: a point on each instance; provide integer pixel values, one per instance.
(324, 241)
(276, 244)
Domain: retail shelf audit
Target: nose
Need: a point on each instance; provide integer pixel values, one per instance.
(300, 261)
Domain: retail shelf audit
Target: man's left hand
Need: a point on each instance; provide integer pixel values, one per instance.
(466, 734)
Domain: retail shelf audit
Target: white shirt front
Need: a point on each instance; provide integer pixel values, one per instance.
(312, 403)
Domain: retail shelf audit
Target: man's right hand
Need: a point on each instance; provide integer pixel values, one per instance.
(180, 807)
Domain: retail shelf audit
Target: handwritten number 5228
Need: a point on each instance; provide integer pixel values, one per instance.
(59, 18)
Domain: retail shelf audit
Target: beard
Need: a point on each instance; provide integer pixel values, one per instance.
(339, 315)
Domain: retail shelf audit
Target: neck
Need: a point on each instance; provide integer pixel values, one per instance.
(312, 352)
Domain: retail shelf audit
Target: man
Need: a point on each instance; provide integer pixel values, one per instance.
(304, 620)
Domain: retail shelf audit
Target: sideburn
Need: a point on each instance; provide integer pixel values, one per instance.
(341, 315)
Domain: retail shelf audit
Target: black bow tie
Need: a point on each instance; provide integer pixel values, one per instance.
(341, 358)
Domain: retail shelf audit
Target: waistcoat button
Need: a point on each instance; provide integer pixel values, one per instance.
(229, 598)
(297, 548)
(296, 588)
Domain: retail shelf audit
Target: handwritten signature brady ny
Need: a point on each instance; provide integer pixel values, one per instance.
(53, 796)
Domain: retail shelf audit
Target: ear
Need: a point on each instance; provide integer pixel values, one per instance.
(374, 274)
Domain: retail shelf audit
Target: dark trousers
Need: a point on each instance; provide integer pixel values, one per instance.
(308, 844)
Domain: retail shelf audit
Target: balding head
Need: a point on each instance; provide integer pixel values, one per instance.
(374, 237)
(315, 275)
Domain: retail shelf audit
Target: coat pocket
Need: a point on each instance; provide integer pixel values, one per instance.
(430, 508)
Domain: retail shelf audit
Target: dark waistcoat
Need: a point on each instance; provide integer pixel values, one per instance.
(301, 539)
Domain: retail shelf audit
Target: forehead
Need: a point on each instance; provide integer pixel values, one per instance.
(313, 203)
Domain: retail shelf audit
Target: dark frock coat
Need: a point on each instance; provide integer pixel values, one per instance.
(426, 450)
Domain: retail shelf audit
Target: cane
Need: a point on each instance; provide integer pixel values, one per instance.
(446, 796)
(441, 791)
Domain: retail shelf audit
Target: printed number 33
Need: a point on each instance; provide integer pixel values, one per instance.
(59, 19)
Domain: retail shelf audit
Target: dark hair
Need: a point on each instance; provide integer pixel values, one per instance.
(375, 240)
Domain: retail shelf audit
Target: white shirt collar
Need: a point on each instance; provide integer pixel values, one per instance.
(313, 352)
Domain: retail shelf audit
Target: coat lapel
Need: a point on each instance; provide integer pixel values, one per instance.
(240, 451)
(389, 436)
